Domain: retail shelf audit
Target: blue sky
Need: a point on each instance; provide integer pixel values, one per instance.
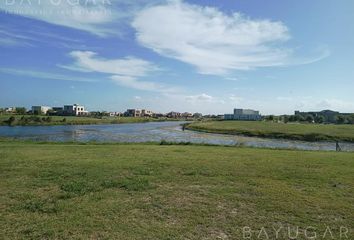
(198, 56)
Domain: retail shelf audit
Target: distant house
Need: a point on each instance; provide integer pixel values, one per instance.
(10, 109)
(146, 113)
(57, 111)
(187, 115)
(158, 115)
(133, 113)
(115, 114)
(40, 109)
(173, 115)
(197, 115)
(74, 110)
(243, 114)
(138, 113)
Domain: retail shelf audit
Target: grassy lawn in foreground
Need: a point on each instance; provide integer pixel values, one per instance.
(112, 191)
(296, 131)
(72, 120)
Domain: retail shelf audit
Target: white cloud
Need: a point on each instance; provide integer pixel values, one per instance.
(13, 35)
(88, 17)
(137, 98)
(235, 99)
(8, 42)
(132, 82)
(202, 102)
(200, 98)
(235, 79)
(210, 40)
(336, 104)
(214, 42)
(123, 71)
(280, 98)
(11, 39)
(99, 17)
(43, 75)
(128, 66)
(310, 103)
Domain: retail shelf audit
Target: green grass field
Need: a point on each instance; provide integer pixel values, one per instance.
(112, 191)
(296, 131)
(72, 120)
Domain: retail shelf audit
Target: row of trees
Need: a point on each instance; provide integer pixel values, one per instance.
(17, 110)
(339, 119)
(27, 120)
(23, 111)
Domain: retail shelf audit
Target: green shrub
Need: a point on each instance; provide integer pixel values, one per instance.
(135, 184)
(41, 206)
(78, 187)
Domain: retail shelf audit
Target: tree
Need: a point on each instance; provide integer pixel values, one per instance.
(320, 119)
(351, 119)
(286, 119)
(300, 118)
(21, 110)
(270, 118)
(340, 119)
(11, 120)
(309, 118)
(36, 112)
(51, 112)
(292, 118)
(38, 119)
(49, 119)
(24, 120)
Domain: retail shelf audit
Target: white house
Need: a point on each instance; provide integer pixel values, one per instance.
(146, 113)
(75, 110)
(10, 109)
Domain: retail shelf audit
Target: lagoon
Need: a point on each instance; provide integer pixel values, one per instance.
(153, 132)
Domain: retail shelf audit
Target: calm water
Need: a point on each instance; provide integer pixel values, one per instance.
(152, 132)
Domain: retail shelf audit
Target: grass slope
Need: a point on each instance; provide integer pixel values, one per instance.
(74, 191)
(295, 131)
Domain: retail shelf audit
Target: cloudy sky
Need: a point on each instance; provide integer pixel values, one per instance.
(194, 55)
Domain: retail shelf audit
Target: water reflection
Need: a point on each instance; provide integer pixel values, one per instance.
(153, 132)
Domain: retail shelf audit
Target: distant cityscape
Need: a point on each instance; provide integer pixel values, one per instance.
(325, 116)
(80, 110)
